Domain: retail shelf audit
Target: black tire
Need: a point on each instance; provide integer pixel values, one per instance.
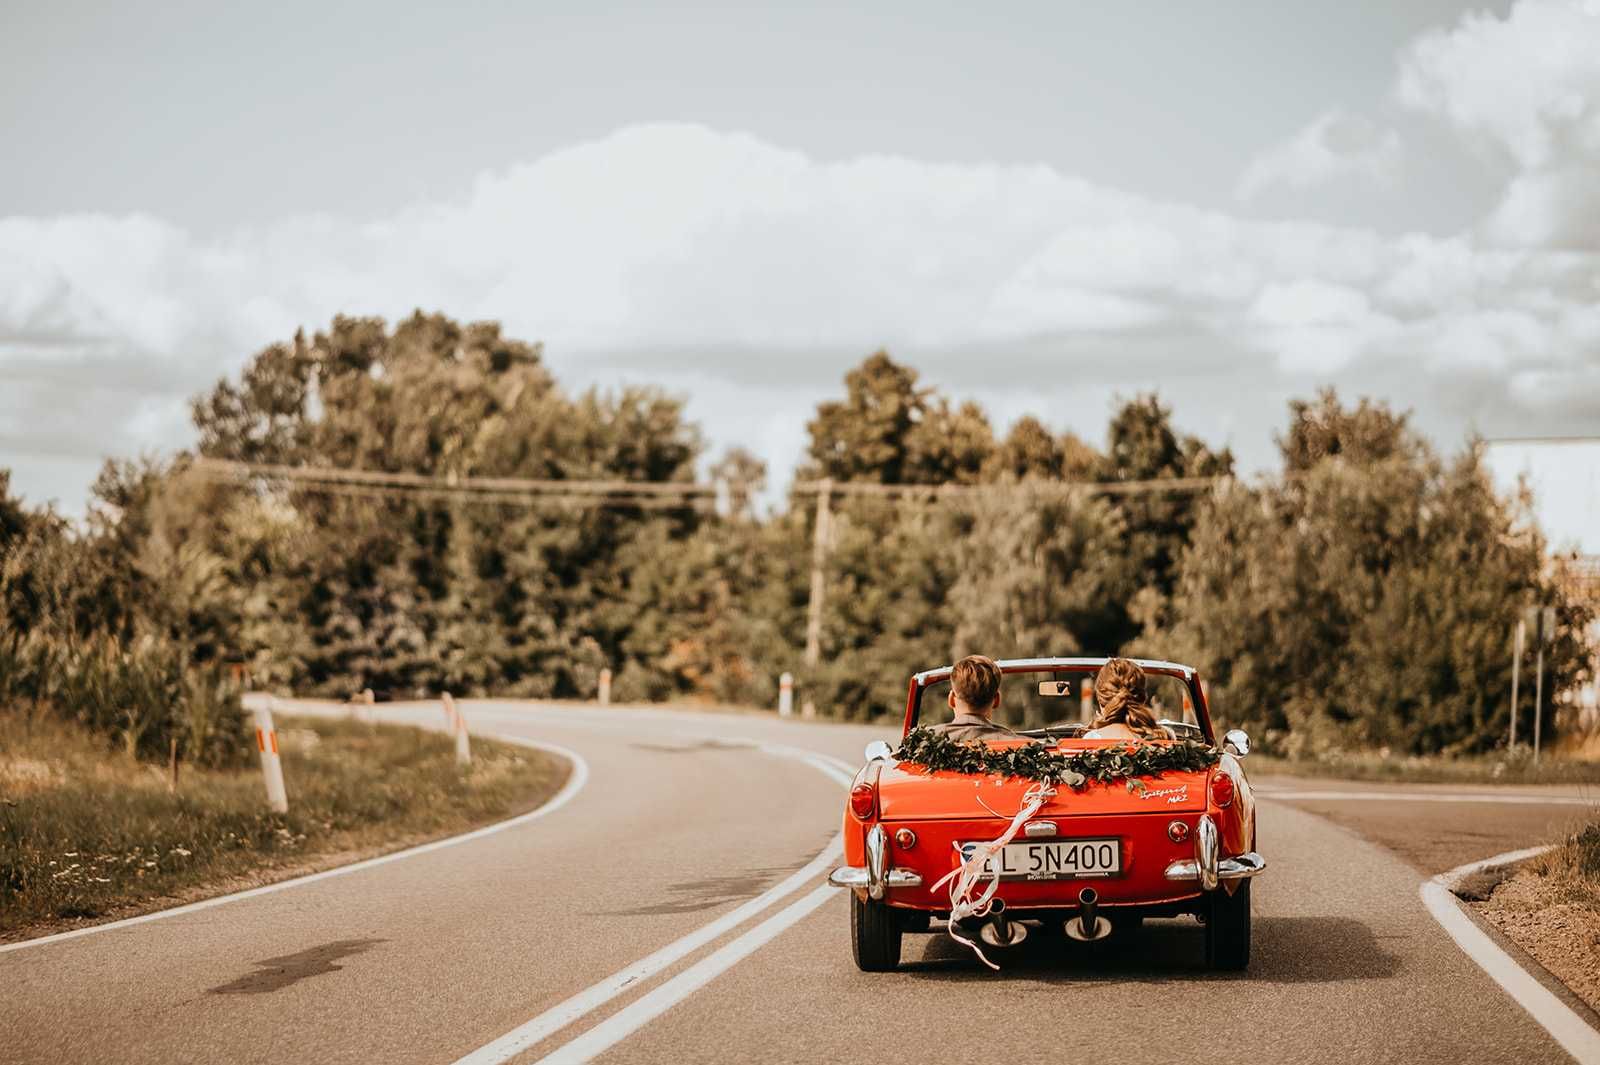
(1228, 929)
(874, 935)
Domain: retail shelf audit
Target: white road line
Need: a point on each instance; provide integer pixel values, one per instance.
(648, 1007)
(1556, 1017)
(592, 998)
(575, 782)
(1396, 796)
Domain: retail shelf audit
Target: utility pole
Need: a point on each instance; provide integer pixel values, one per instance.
(820, 534)
(819, 558)
(1516, 670)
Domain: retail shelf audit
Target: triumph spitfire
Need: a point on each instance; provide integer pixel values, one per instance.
(1078, 836)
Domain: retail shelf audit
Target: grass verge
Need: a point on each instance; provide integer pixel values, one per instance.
(1551, 909)
(1515, 768)
(88, 834)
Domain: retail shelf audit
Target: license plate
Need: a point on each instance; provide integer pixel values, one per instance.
(1066, 859)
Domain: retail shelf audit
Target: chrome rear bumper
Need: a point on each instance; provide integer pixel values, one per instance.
(853, 876)
(1207, 867)
(877, 876)
(1245, 865)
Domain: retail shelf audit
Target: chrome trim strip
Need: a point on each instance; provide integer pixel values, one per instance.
(877, 861)
(852, 876)
(1040, 665)
(1238, 868)
(1205, 852)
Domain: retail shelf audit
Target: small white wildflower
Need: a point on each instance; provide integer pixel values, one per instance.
(181, 852)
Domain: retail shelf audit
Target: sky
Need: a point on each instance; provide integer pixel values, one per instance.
(1047, 207)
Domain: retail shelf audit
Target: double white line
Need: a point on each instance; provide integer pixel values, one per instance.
(647, 1007)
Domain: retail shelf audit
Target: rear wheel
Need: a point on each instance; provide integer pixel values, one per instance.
(874, 935)
(1228, 928)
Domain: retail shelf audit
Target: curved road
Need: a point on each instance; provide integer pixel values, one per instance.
(702, 836)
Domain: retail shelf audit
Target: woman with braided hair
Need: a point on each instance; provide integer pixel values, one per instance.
(1124, 697)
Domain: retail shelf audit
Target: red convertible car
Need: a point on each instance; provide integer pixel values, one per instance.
(1086, 855)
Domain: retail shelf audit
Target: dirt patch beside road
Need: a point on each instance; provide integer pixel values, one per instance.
(1557, 925)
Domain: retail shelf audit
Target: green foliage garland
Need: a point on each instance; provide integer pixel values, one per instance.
(1039, 761)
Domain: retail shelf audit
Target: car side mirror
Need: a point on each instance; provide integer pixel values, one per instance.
(879, 750)
(1236, 742)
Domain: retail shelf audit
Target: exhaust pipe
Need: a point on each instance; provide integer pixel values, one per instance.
(1088, 926)
(1001, 931)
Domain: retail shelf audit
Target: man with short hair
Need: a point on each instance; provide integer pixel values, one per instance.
(974, 696)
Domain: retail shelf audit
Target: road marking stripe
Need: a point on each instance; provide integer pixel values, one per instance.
(648, 1007)
(1465, 796)
(575, 782)
(1556, 1017)
(592, 998)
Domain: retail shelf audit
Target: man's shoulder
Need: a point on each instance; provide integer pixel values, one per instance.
(969, 730)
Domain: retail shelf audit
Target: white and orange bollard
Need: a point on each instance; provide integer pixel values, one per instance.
(271, 764)
(603, 695)
(458, 725)
(786, 695)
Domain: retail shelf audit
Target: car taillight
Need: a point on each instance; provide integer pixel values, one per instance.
(863, 800)
(1222, 789)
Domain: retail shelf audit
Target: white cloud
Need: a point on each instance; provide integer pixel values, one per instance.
(1525, 88)
(1335, 146)
(741, 269)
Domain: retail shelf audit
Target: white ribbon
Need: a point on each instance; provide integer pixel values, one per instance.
(964, 878)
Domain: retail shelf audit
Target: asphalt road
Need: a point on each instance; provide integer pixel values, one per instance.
(684, 820)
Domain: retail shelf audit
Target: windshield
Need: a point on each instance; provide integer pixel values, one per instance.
(1061, 702)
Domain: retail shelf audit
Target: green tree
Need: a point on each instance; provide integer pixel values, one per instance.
(1367, 599)
(863, 437)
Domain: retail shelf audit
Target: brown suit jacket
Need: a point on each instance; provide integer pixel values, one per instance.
(968, 727)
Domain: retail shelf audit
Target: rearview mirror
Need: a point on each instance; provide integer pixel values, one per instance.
(1236, 742)
(877, 750)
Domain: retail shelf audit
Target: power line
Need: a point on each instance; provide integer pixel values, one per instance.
(502, 491)
(345, 475)
(935, 491)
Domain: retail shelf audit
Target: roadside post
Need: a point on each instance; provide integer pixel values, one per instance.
(1518, 641)
(458, 725)
(786, 695)
(271, 764)
(604, 694)
(1542, 620)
